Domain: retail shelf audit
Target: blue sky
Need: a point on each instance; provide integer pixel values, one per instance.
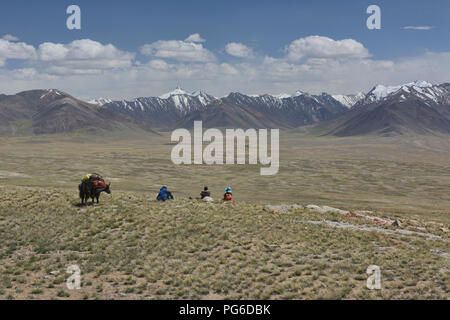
(265, 27)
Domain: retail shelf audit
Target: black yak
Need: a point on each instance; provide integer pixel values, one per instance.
(92, 189)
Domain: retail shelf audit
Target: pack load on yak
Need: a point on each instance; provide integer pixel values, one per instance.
(92, 177)
(228, 196)
(92, 185)
(164, 194)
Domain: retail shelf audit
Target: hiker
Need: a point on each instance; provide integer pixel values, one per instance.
(164, 194)
(228, 196)
(205, 193)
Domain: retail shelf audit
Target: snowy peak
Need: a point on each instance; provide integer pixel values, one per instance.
(349, 100)
(176, 92)
(282, 96)
(381, 92)
(299, 93)
(199, 93)
(183, 99)
(100, 101)
(51, 93)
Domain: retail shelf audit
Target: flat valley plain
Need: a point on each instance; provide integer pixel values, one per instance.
(131, 247)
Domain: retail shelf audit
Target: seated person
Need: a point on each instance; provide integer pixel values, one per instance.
(228, 196)
(205, 193)
(164, 194)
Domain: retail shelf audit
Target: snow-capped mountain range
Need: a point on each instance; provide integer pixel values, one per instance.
(299, 108)
(161, 111)
(179, 107)
(421, 89)
(419, 107)
(100, 101)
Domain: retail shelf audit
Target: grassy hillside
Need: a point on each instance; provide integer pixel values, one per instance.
(131, 247)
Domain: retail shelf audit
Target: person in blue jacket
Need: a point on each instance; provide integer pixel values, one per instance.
(164, 194)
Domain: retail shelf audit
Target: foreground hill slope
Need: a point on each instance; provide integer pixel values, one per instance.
(130, 247)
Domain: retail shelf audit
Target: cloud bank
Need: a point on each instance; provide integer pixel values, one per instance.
(89, 69)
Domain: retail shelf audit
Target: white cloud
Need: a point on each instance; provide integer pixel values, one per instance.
(195, 38)
(158, 64)
(178, 50)
(418, 28)
(82, 57)
(9, 37)
(239, 50)
(324, 47)
(87, 68)
(15, 50)
(52, 51)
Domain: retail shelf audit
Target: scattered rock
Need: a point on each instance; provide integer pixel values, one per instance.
(377, 220)
(386, 248)
(363, 212)
(341, 225)
(326, 209)
(348, 215)
(208, 199)
(281, 208)
(413, 223)
(54, 273)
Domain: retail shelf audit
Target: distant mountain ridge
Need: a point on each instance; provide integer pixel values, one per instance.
(163, 111)
(179, 108)
(418, 107)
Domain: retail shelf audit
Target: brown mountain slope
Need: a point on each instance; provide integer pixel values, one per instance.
(392, 116)
(220, 114)
(54, 111)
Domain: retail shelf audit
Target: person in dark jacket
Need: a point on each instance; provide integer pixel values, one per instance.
(205, 193)
(164, 194)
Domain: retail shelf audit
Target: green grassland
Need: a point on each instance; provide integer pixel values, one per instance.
(132, 247)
